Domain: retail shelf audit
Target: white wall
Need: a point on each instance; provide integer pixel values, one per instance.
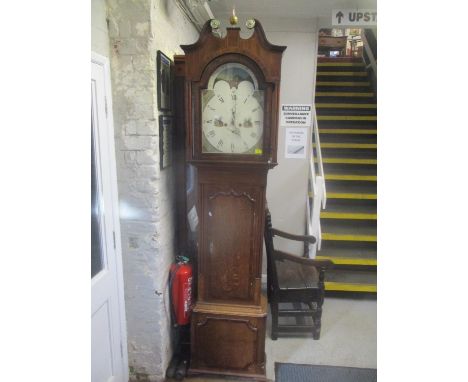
(99, 32)
(287, 183)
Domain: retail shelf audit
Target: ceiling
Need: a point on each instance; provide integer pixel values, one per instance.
(295, 9)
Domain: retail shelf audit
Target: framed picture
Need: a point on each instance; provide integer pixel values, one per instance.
(164, 79)
(166, 132)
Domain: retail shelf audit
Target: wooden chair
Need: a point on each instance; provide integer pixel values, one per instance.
(294, 279)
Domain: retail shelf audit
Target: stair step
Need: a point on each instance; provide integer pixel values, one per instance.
(333, 169)
(346, 105)
(348, 237)
(347, 215)
(348, 131)
(367, 178)
(352, 206)
(354, 64)
(346, 118)
(348, 153)
(349, 287)
(348, 260)
(349, 138)
(349, 230)
(342, 195)
(347, 145)
(342, 83)
(339, 59)
(347, 161)
(349, 249)
(344, 186)
(344, 94)
(342, 74)
(350, 281)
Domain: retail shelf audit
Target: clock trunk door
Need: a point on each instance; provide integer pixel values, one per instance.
(232, 220)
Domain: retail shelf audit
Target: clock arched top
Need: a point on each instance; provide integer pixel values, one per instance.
(208, 47)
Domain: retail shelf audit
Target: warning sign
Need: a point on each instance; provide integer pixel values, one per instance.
(295, 115)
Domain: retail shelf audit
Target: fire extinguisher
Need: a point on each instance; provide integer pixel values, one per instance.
(181, 290)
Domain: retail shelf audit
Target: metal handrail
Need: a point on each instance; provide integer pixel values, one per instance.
(317, 186)
(370, 55)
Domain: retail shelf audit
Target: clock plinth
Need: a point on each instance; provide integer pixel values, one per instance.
(229, 340)
(227, 104)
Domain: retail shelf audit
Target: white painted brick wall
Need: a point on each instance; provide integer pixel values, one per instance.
(137, 29)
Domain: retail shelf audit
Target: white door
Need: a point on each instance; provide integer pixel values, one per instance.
(108, 337)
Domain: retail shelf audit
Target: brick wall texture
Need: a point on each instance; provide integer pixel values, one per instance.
(137, 29)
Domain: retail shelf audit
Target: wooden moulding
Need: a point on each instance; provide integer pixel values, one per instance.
(233, 309)
(266, 55)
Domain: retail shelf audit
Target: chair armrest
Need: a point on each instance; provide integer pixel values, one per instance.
(323, 264)
(309, 238)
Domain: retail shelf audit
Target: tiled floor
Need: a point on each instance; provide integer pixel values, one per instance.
(348, 338)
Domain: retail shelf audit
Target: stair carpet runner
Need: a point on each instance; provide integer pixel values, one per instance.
(347, 121)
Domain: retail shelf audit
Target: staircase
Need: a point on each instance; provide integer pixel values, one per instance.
(347, 124)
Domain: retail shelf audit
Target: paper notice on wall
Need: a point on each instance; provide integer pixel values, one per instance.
(295, 115)
(295, 143)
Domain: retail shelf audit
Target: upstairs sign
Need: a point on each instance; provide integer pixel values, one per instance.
(354, 18)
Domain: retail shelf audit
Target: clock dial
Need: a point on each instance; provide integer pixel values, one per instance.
(232, 112)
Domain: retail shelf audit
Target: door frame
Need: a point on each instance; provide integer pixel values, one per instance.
(115, 218)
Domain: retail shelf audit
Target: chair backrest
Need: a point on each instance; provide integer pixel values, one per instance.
(272, 276)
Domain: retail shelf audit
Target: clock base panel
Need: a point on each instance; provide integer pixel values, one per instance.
(226, 342)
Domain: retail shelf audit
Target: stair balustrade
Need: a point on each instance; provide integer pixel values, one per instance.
(370, 60)
(317, 188)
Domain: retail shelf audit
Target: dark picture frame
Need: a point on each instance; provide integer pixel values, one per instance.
(166, 135)
(164, 81)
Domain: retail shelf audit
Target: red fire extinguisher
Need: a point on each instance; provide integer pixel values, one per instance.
(181, 290)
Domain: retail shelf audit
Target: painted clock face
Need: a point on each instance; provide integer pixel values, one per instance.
(232, 112)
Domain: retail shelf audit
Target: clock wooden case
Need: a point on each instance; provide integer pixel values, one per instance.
(227, 99)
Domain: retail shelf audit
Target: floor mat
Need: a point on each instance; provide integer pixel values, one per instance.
(290, 372)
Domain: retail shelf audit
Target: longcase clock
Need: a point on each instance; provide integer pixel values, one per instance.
(228, 95)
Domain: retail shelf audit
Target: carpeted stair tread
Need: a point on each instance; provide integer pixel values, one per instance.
(352, 277)
(358, 253)
(343, 93)
(351, 187)
(343, 206)
(348, 138)
(335, 84)
(347, 131)
(349, 169)
(349, 230)
(346, 145)
(359, 153)
(343, 105)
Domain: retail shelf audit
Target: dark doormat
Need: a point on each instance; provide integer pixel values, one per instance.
(290, 372)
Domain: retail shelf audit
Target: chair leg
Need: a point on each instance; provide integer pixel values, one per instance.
(317, 317)
(274, 319)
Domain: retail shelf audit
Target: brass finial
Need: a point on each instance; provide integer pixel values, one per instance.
(250, 23)
(233, 20)
(214, 24)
